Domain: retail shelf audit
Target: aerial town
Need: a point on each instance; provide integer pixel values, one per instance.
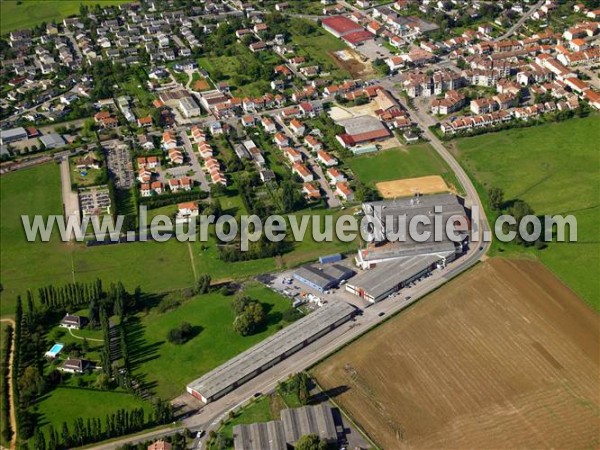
(152, 115)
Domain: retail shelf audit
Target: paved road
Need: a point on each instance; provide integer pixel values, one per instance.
(209, 416)
(521, 21)
(70, 198)
(199, 174)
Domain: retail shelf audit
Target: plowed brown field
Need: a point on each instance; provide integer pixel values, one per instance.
(506, 356)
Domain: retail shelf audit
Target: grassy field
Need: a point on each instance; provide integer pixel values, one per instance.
(215, 343)
(504, 356)
(405, 162)
(68, 403)
(556, 169)
(318, 48)
(28, 13)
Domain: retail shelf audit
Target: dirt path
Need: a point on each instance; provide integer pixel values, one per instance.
(82, 338)
(11, 403)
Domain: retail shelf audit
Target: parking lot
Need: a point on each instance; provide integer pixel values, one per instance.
(373, 50)
(95, 201)
(120, 167)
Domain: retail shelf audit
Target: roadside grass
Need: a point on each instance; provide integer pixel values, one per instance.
(167, 367)
(556, 169)
(417, 160)
(65, 404)
(26, 14)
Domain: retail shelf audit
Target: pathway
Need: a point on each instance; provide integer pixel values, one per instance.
(82, 338)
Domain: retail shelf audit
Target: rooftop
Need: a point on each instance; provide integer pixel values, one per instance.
(247, 363)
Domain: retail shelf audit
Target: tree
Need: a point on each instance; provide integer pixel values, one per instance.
(310, 442)
(203, 284)
(85, 346)
(239, 304)
(496, 196)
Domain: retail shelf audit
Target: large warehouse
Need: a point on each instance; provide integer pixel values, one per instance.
(323, 278)
(294, 424)
(269, 352)
(378, 283)
(340, 26)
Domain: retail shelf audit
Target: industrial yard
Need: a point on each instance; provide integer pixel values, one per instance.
(506, 345)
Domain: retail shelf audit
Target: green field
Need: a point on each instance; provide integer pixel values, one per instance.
(156, 267)
(68, 403)
(28, 13)
(168, 367)
(556, 169)
(405, 162)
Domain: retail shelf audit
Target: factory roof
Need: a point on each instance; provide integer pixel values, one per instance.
(323, 276)
(315, 419)
(380, 280)
(248, 362)
(259, 436)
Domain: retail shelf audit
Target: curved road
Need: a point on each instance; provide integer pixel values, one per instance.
(209, 416)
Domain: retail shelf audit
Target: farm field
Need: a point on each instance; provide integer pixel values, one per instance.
(417, 160)
(506, 356)
(28, 13)
(215, 343)
(556, 169)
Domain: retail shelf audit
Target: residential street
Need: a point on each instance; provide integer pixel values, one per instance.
(199, 175)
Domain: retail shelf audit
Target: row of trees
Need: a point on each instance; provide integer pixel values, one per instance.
(6, 344)
(93, 430)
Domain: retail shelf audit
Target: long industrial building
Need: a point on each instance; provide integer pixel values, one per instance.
(323, 278)
(294, 424)
(269, 352)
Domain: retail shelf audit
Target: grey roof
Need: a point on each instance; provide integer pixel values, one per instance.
(52, 140)
(247, 363)
(316, 419)
(294, 424)
(324, 276)
(361, 124)
(13, 133)
(405, 249)
(386, 214)
(259, 436)
(386, 276)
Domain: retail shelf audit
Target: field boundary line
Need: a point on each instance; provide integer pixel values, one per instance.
(192, 261)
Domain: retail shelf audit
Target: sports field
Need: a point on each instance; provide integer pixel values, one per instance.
(418, 160)
(28, 13)
(409, 186)
(556, 169)
(505, 356)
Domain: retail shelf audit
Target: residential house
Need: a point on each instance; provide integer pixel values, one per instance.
(302, 171)
(326, 159)
(343, 190)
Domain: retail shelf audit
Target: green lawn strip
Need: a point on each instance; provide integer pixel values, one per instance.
(25, 14)
(215, 343)
(3, 412)
(556, 169)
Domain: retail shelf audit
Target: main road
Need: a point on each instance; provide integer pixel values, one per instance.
(209, 416)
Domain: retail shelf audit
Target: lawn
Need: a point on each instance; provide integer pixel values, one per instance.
(318, 48)
(556, 169)
(406, 162)
(28, 13)
(215, 343)
(69, 403)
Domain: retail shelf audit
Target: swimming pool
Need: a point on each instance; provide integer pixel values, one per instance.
(55, 350)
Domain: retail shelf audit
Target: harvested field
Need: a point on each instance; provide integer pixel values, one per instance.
(409, 186)
(506, 356)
